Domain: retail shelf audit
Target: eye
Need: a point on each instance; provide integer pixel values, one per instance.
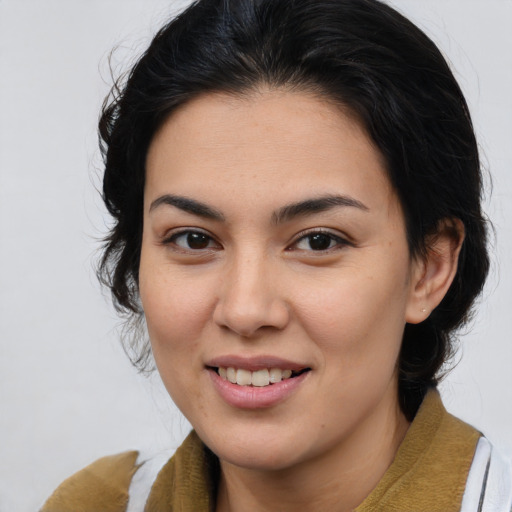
(191, 241)
(319, 241)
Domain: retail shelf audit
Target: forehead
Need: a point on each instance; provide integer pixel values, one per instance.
(290, 143)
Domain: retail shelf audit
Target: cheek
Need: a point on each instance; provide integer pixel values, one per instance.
(176, 308)
(177, 314)
(359, 322)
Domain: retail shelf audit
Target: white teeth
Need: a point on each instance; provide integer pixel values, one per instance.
(243, 377)
(231, 375)
(276, 375)
(259, 378)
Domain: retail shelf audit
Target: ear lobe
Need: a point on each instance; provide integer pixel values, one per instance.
(433, 273)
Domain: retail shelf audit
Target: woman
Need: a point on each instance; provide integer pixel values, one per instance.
(296, 193)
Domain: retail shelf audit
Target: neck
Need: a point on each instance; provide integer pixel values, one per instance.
(338, 480)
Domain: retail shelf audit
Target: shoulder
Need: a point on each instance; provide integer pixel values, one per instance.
(489, 483)
(126, 482)
(103, 485)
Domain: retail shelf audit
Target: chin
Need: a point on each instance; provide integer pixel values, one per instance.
(258, 459)
(258, 450)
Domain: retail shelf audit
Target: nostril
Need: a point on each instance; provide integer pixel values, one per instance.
(248, 317)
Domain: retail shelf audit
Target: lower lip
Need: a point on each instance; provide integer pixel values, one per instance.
(253, 397)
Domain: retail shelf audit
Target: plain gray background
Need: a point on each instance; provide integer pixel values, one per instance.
(67, 392)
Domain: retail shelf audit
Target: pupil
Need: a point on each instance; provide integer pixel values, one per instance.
(319, 242)
(197, 241)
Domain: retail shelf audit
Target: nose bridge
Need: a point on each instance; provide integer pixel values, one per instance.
(249, 296)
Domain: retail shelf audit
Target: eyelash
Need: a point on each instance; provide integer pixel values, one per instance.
(339, 242)
(172, 240)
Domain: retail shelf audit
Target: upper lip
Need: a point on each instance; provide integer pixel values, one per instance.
(254, 363)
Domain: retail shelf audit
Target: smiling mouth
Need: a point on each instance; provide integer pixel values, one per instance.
(258, 378)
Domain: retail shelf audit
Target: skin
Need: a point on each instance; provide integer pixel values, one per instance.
(254, 285)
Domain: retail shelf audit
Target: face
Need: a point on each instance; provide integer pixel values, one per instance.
(274, 255)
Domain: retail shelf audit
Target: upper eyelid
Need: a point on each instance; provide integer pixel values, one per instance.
(336, 235)
(186, 229)
(324, 231)
(340, 239)
(176, 232)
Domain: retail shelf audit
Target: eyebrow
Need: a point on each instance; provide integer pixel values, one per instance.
(284, 214)
(316, 205)
(188, 205)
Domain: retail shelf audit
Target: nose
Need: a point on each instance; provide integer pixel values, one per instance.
(249, 299)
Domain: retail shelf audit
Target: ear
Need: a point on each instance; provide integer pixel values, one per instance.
(433, 273)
